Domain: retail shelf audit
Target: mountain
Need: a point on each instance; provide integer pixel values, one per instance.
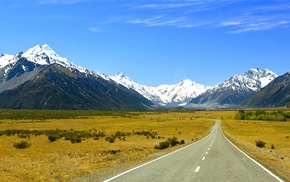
(233, 90)
(165, 95)
(275, 94)
(41, 79)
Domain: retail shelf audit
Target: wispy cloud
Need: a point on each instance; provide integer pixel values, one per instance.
(43, 2)
(165, 5)
(97, 30)
(237, 16)
(259, 26)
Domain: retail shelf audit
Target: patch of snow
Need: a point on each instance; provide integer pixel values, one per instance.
(44, 55)
(166, 95)
(6, 59)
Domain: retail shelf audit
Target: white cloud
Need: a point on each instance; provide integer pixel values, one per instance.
(259, 26)
(42, 2)
(165, 6)
(97, 30)
(230, 23)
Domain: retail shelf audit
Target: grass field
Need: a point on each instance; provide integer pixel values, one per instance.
(63, 160)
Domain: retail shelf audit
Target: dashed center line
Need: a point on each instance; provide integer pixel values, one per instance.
(203, 158)
(206, 153)
(197, 169)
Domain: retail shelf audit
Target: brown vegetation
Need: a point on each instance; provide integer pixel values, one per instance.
(50, 157)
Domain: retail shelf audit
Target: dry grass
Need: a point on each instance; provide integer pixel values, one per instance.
(244, 133)
(99, 159)
(64, 161)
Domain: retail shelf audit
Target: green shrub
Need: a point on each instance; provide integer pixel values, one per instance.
(110, 139)
(53, 137)
(260, 144)
(21, 145)
(272, 146)
(162, 145)
(75, 139)
(182, 142)
(173, 141)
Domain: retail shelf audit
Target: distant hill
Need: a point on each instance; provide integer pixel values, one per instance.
(275, 94)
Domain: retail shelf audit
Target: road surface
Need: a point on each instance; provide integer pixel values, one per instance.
(213, 158)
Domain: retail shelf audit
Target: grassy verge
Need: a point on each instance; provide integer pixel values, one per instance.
(275, 155)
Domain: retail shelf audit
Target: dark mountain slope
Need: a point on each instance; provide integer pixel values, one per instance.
(275, 94)
(56, 87)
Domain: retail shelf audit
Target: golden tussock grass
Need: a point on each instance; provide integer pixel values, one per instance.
(63, 161)
(99, 159)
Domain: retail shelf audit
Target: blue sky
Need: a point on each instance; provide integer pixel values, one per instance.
(155, 42)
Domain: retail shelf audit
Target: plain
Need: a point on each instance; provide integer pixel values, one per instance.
(124, 140)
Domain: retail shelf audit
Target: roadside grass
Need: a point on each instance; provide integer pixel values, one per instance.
(276, 153)
(62, 160)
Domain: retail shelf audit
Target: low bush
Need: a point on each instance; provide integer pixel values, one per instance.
(53, 137)
(75, 139)
(21, 145)
(182, 142)
(110, 139)
(173, 141)
(162, 145)
(272, 146)
(260, 144)
(169, 142)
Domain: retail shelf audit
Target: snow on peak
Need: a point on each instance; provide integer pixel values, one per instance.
(38, 53)
(6, 59)
(44, 55)
(166, 95)
(254, 79)
(41, 50)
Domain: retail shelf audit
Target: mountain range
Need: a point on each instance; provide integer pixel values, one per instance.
(41, 79)
(165, 95)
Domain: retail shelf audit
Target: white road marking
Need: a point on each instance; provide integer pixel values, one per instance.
(197, 169)
(203, 158)
(206, 153)
(208, 148)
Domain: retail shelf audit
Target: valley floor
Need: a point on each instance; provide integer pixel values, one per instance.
(99, 146)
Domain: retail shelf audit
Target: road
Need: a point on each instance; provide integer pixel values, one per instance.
(213, 158)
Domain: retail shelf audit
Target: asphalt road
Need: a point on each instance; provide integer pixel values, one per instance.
(213, 158)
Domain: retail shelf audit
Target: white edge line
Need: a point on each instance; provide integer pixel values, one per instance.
(267, 170)
(154, 160)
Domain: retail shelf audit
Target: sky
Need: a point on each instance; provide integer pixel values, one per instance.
(155, 41)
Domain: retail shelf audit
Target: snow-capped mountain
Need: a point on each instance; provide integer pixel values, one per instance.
(235, 89)
(254, 80)
(41, 79)
(275, 94)
(165, 95)
(43, 72)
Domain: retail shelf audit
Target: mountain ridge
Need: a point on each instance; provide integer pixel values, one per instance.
(234, 90)
(167, 95)
(40, 79)
(275, 94)
(16, 70)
